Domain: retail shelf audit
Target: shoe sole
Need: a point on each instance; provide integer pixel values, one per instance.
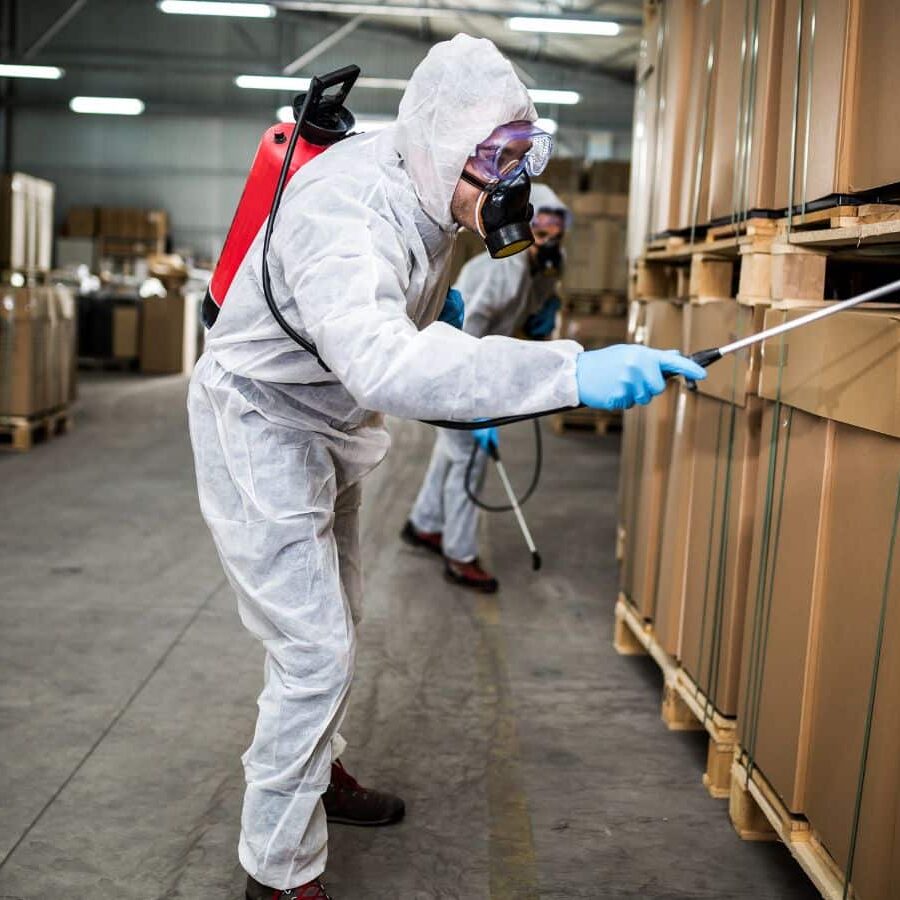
(389, 820)
(413, 541)
(481, 588)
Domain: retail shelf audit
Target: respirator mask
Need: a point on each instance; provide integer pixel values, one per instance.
(501, 168)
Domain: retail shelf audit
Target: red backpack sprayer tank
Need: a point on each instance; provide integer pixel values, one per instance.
(321, 120)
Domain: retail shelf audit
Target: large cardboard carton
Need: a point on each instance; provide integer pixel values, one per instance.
(168, 335)
(748, 60)
(662, 328)
(779, 634)
(672, 581)
(26, 222)
(726, 448)
(845, 367)
(24, 349)
(593, 330)
(839, 110)
(595, 256)
(608, 176)
(858, 653)
(661, 101)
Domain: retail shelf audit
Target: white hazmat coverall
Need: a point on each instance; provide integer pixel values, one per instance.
(358, 261)
(499, 295)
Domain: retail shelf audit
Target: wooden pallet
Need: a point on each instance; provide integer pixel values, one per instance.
(600, 421)
(758, 814)
(684, 706)
(20, 433)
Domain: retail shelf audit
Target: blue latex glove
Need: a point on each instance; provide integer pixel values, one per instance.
(541, 324)
(487, 438)
(454, 311)
(617, 377)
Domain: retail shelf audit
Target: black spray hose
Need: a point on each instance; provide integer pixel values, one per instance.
(532, 487)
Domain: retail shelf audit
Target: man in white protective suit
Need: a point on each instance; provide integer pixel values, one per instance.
(502, 296)
(359, 267)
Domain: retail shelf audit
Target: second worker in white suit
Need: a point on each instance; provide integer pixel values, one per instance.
(502, 297)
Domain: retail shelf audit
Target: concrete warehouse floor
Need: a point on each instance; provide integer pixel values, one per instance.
(531, 756)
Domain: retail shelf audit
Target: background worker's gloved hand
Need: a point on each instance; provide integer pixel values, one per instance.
(617, 377)
(454, 311)
(487, 438)
(541, 323)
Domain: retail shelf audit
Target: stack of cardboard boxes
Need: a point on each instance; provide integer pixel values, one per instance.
(745, 108)
(760, 515)
(37, 319)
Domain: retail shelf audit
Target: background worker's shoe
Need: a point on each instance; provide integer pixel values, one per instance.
(470, 575)
(348, 803)
(312, 890)
(428, 540)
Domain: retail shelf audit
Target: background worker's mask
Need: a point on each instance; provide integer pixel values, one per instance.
(503, 214)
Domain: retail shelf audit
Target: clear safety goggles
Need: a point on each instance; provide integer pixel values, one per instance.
(510, 150)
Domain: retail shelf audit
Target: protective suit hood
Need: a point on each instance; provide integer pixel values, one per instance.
(544, 197)
(458, 94)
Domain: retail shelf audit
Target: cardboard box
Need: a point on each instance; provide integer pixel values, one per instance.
(81, 222)
(660, 151)
(744, 108)
(720, 535)
(846, 367)
(608, 176)
(593, 204)
(168, 335)
(672, 582)
(857, 585)
(714, 323)
(24, 348)
(26, 222)
(595, 257)
(777, 657)
(848, 100)
(125, 332)
(563, 174)
(663, 328)
(593, 331)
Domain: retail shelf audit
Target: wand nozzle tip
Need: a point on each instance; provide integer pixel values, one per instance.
(535, 560)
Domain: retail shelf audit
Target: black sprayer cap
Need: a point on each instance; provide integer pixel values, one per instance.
(326, 124)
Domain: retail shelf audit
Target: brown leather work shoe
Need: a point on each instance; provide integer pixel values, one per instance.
(348, 803)
(470, 575)
(312, 890)
(427, 540)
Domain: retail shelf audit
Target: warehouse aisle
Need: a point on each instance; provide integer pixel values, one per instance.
(531, 756)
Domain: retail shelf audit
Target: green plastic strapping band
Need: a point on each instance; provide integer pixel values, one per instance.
(752, 695)
(873, 691)
(770, 590)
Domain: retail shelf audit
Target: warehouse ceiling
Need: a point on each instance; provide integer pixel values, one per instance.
(186, 65)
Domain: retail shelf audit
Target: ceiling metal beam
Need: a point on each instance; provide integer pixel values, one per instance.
(49, 33)
(354, 7)
(325, 44)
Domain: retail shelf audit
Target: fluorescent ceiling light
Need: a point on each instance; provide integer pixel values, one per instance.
(548, 125)
(272, 83)
(47, 72)
(108, 106)
(209, 8)
(564, 26)
(291, 83)
(564, 98)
